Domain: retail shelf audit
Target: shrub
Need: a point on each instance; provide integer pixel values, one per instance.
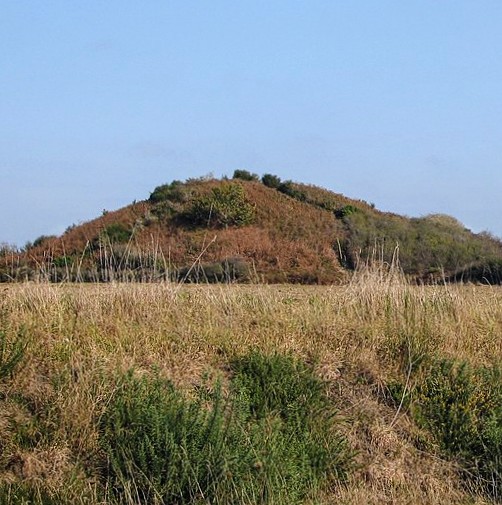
(225, 206)
(244, 175)
(304, 452)
(271, 181)
(117, 233)
(271, 441)
(288, 188)
(346, 210)
(160, 446)
(173, 192)
(228, 270)
(462, 407)
(486, 272)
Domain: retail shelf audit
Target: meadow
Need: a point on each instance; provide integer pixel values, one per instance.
(375, 392)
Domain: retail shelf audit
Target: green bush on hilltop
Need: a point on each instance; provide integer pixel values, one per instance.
(244, 175)
(173, 191)
(271, 181)
(224, 206)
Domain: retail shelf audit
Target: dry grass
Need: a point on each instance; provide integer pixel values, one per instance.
(359, 335)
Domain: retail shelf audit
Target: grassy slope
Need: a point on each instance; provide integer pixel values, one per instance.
(80, 335)
(305, 234)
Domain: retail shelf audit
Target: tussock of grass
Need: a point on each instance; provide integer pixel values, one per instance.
(359, 338)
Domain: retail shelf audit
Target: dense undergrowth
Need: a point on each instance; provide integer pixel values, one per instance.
(377, 392)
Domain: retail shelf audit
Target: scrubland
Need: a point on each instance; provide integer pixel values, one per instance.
(375, 392)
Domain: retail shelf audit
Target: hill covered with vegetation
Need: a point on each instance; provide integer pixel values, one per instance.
(251, 229)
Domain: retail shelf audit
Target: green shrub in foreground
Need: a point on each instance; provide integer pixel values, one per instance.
(306, 453)
(271, 441)
(462, 406)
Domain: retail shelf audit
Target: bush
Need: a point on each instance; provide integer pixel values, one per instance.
(487, 272)
(288, 188)
(347, 210)
(271, 441)
(117, 233)
(271, 181)
(160, 446)
(244, 175)
(174, 192)
(225, 206)
(462, 407)
(285, 407)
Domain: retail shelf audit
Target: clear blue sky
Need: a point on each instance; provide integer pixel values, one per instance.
(395, 102)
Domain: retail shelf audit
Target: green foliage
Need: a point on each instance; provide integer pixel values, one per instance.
(345, 211)
(225, 206)
(462, 407)
(426, 245)
(290, 189)
(117, 233)
(271, 181)
(11, 353)
(174, 192)
(261, 445)
(63, 261)
(285, 393)
(160, 446)
(244, 175)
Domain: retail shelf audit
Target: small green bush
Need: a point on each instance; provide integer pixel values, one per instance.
(462, 407)
(117, 233)
(244, 175)
(271, 181)
(308, 453)
(346, 210)
(161, 447)
(174, 192)
(288, 188)
(225, 206)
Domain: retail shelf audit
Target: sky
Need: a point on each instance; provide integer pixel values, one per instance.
(397, 102)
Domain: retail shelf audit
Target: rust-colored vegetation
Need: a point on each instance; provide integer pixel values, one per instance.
(245, 229)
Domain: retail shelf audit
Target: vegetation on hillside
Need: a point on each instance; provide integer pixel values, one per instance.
(276, 231)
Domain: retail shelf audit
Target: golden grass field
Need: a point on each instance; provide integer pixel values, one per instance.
(359, 336)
